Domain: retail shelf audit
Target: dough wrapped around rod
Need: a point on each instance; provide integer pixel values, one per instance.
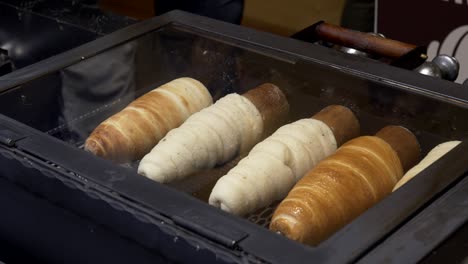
(134, 131)
(217, 134)
(273, 166)
(431, 157)
(341, 187)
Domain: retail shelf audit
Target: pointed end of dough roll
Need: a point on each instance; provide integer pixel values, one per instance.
(286, 226)
(151, 171)
(106, 142)
(96, 146)
(227, 197)
(271, 103)
(219, 204)
(405, 144)
(342, 122)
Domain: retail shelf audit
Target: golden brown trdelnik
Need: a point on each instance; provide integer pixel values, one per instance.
(361, 173)
(134, 131)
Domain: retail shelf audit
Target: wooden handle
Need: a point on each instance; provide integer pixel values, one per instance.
(342, 122)
(362, 41)
(404, 143)
(272, 105)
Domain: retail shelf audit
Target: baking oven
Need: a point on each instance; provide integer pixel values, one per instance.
(49, 109)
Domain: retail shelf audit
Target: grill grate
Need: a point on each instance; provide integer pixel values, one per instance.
(263, 216)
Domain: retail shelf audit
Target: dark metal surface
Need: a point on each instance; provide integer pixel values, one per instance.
(73, 13)
(425, 232)
(136, 234)
(6, 64)
(139, 225)
(28, 38)
(31, 31)
(311, 76)
(37, 231)
(453, 250)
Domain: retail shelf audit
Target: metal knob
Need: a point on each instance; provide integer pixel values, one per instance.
(430, 69)
(448, 66)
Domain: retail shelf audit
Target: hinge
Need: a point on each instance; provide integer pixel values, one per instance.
(9, 137)
(210, 226)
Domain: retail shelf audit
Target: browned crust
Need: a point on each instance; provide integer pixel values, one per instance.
(337, 190)
(341, 121)
(404, 143)
(272, 105)
(132, 132)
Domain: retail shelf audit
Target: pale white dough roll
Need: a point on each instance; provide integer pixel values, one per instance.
(431, 157)
(273, 167)
(210, 137)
